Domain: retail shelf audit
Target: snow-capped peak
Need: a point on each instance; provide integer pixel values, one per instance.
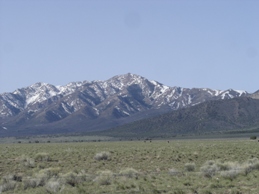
(133, 90)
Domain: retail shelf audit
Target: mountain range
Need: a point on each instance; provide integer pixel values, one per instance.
(97, 105)
(237, 115)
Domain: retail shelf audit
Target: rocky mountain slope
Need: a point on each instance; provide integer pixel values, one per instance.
(207, 117)
(96, 105)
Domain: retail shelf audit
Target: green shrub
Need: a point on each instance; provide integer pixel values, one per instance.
(209, 169)
(231, 174)
(7, 186)
(223, 166)
(129, 172)
(73, 178)
(41, 178)
(53, 186)
(50, 172)
(189, 167)
(253, 161)
(253, 137)
(8, 183)
(8, 177)
(250, 165)
(31, 182)
(102, 156)
(104, 178)
(44, 157)
(29, 162)
(178, 191)
(236, 191)
(210, 162)
(174, 172)
(26, 161)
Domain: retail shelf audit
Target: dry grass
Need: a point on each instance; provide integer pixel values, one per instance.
(201, 166)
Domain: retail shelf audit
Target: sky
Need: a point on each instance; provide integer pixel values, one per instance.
(186, 43)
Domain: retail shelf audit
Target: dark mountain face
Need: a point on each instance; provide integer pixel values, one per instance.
(210, 116)
(97, 105)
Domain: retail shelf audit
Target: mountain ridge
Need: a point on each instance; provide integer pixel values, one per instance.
(208, 117)
(110, 102)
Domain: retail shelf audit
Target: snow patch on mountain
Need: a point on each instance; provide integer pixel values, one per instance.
(164, 88)
(131, 93)
(241, 92)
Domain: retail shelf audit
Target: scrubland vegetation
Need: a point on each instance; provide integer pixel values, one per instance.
(178, 166)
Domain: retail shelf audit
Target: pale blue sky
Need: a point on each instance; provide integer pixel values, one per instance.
(195, 43)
